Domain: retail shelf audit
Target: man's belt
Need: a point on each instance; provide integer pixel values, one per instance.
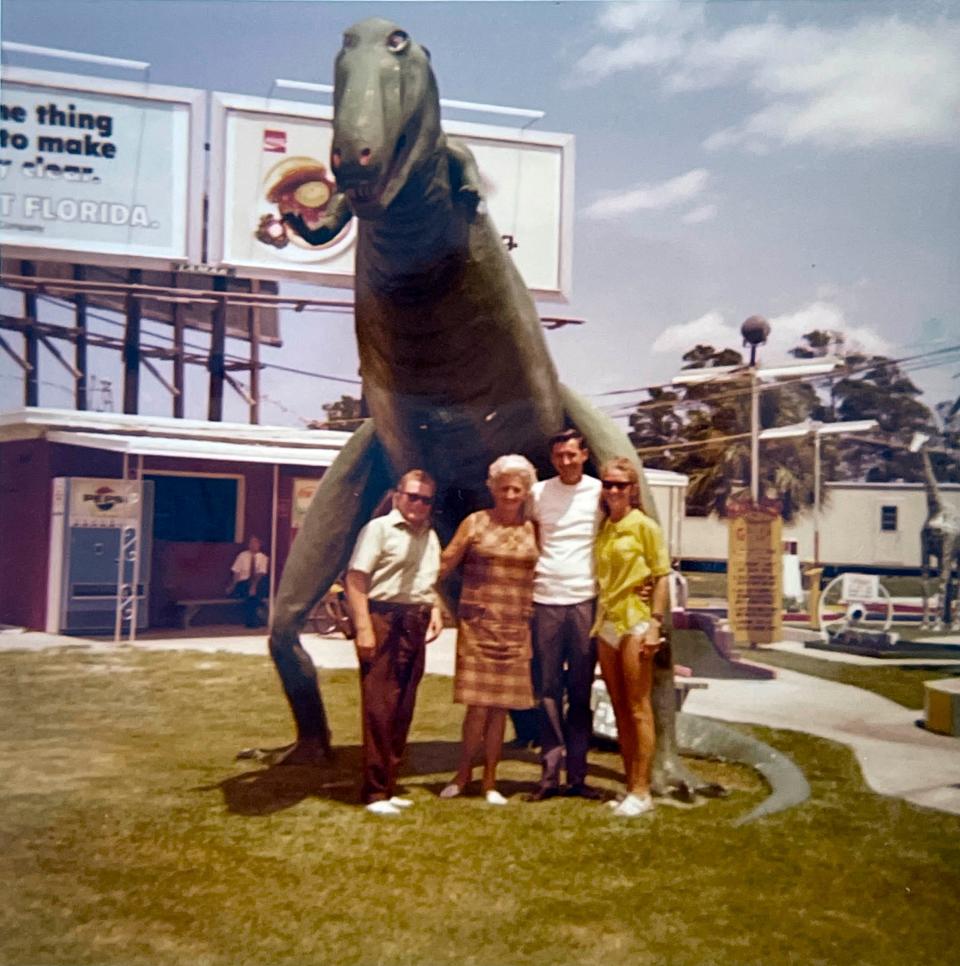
(396, 607)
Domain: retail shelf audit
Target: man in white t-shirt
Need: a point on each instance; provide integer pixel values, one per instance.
(250, 581)
(566, 512)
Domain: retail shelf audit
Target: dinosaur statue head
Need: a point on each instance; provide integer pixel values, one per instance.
(386, 114)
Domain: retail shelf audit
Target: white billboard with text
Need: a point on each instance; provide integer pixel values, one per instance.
(108, 170)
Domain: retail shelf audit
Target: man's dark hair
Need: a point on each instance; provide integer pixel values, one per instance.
(565, 436)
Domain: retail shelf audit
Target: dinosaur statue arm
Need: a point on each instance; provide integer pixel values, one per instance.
(334, 221)
(343, 503)
(464, 174)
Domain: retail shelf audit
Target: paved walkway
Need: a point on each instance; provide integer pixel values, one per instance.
(897, 757)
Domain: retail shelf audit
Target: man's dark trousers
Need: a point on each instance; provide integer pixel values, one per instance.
(252, 601)
(388, 692)
(565, 656)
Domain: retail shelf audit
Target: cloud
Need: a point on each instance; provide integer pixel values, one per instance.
(786, 331)
(709, 329)
(872, 82)
(646, 197)
(699, 215)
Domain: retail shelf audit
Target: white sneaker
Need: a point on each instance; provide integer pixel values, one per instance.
(451, 791)
(382, 807)
(399, 802)
(494, 797)
(634, 805)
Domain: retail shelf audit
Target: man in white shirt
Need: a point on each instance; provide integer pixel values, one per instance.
(566, 512)
(391, 581)
(250, 581)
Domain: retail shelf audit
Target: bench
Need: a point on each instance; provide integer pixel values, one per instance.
(604, 722)
(190, 608)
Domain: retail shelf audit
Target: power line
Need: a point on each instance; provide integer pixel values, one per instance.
(907, 364)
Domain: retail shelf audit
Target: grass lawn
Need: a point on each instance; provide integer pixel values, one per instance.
(131, 836)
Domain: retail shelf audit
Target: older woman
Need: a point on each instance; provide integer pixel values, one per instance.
(498, 550)
(632, 560)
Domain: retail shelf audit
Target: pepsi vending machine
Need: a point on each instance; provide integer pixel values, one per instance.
(100, 546)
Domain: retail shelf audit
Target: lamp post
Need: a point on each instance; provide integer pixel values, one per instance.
(754, 331)
(817, 429)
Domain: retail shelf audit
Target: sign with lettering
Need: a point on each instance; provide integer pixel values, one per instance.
(100, 168)
(755, 577)
(271, 157)
(303, 493)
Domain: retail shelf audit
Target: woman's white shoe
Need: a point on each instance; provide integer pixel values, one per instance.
(494, 797)
(451, 791)
(634, 805)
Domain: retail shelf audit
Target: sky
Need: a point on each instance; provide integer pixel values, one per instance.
(796, 160)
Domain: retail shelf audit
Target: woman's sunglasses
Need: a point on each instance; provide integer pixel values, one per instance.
(617, 484)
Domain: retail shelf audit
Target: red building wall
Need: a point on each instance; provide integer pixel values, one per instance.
(179, 570)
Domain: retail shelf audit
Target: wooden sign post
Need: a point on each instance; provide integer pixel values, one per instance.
(755, 576)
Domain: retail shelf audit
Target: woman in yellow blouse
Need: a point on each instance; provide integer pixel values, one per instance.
(631, 555)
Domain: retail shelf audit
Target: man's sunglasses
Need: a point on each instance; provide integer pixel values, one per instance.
(417, 498)
(617, 484)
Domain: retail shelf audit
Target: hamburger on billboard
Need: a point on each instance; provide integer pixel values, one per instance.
(110, 170)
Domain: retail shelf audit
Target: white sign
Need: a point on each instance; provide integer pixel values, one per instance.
(271, 154)
(860, 587)
(100, 168)
(104, 502)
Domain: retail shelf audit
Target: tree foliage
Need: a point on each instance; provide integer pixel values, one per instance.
(345, 413)
(703, 429)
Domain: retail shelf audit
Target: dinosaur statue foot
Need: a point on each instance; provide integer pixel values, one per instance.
(671, 778)
(311, 752)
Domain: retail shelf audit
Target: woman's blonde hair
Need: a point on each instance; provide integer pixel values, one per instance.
(622, 465)
(514, 464)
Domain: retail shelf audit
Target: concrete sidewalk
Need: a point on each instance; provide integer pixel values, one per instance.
(897, 757)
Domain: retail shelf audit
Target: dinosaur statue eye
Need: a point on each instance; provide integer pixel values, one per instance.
(398, 41)
(349, 40)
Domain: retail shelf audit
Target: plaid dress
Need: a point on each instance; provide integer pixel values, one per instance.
(493, 633)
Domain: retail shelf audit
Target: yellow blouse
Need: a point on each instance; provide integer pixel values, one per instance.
(628, 553)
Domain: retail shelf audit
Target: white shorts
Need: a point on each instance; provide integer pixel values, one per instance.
(610, 635)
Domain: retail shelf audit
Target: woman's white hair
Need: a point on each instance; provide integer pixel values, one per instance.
(515, 464)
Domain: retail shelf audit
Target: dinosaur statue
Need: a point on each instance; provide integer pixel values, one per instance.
(939, 541)
(454, 364)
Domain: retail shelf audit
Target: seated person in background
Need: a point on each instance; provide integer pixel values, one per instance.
(250, 581)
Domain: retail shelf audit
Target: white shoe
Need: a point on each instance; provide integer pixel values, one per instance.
(634, 805)
(451, 791)
(398, 802)
(494, 797)
(382, 807)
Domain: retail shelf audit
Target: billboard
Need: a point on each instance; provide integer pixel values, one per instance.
(108, 169)
(270, 154)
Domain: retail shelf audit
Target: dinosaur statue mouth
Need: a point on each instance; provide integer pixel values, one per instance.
(368, 196)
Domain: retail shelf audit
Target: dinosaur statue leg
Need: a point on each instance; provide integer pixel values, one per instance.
(948, 583)
(606, 441)
(344, 500)
(926, 618)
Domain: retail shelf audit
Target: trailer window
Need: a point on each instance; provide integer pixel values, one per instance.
(888, 519)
